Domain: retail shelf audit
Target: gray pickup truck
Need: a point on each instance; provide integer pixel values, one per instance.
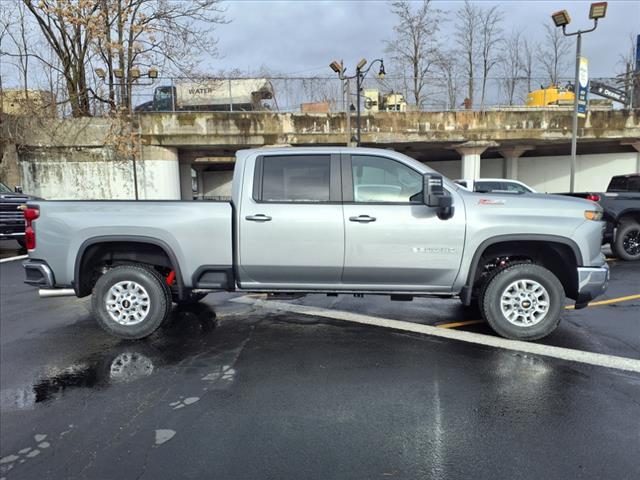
(324, 220)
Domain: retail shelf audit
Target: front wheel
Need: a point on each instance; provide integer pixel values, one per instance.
(131, 301)
(626, 244)
(523, 302)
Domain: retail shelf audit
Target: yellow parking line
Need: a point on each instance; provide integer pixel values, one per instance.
(608, 302)
(610, 259)
(459, 324)
(568, 307)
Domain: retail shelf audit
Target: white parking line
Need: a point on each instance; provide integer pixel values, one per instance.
(11, 259)
(598, 359)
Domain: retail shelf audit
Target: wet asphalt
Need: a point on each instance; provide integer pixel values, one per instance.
(231, 391)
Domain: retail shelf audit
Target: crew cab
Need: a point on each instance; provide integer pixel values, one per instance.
(621, 206)
(324, 220)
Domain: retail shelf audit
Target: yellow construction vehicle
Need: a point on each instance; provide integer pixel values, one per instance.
(551, 95)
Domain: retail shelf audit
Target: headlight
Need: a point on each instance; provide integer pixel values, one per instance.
(594, 215)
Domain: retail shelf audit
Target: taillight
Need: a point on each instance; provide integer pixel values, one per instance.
(593, 197)
(30, 214)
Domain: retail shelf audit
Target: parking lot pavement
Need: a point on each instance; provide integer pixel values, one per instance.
(253, 393)
(612, 329)
(10, 248)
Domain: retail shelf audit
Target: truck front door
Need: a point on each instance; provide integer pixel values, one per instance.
(393, 241)
(290, 223)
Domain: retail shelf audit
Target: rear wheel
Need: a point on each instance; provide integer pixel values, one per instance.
(131, 301)
(523, 302)
(626, 244)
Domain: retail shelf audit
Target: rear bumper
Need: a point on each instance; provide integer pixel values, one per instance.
(7, 236)
(38, 274)
(592, 282)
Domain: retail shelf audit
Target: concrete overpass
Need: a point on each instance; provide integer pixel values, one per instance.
(459, 143)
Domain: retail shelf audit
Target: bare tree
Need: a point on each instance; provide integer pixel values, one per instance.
(136, 34)
(511, 65)
(490, 38)
(466, 36)
(415, 44)
(15, 32)
(447, 68)
(125, 36)
(526, 61)
(554, 52)
(69, 28)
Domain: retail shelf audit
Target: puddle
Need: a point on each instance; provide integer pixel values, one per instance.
(188, 332)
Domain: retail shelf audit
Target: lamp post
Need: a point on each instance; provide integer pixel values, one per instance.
(338, 67)
(597, 11)
(134, 75)
(359, 76)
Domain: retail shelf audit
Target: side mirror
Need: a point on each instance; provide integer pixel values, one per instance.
(434, 195)
(432, 189)
(17, 189)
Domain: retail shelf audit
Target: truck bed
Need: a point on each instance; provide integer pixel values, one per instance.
(196, 232)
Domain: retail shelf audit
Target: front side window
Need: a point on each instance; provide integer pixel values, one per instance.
(296, 178)
(378, 179)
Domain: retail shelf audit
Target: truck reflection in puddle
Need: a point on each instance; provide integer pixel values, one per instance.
(187, 331)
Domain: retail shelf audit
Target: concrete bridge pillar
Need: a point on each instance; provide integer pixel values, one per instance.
(635, 144)
(471, 152)
(158, 173)
(186, 191)
(511, 156)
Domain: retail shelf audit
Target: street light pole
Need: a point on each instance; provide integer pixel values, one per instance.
(359, 76)
(562, 19)
(574, 129)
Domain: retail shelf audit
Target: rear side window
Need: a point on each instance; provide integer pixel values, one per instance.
(296, 178)
(487, 186)
(634, 184)
(617, 184)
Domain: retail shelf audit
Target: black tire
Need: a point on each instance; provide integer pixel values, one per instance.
(157, 291)
(498, 286)
(626, 244)
(189, 299)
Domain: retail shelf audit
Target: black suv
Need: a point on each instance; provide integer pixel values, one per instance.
(11, 218)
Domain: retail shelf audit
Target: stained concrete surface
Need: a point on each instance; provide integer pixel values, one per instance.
(243, 393)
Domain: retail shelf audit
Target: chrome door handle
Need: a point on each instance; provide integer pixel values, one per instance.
(258, 218)
(362, 219)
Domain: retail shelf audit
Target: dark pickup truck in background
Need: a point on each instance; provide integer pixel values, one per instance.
(621, 205)
(11, 218)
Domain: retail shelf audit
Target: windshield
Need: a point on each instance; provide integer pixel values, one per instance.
(4, 188)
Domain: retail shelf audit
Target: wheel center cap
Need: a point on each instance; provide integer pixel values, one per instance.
(526, 304)
(126, 303)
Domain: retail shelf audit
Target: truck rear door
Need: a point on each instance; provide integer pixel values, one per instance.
(290, 222)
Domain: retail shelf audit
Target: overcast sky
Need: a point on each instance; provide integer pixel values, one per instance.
(302, 37)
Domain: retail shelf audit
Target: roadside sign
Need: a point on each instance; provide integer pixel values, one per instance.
(583, 87)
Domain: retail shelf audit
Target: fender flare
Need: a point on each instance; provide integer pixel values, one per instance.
(128, 238)
(465, 293)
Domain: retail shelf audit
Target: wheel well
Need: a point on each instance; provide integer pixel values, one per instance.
(557, 257)
(97, 258)
(631, 215)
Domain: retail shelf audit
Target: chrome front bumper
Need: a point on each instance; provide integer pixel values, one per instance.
(592, 282)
